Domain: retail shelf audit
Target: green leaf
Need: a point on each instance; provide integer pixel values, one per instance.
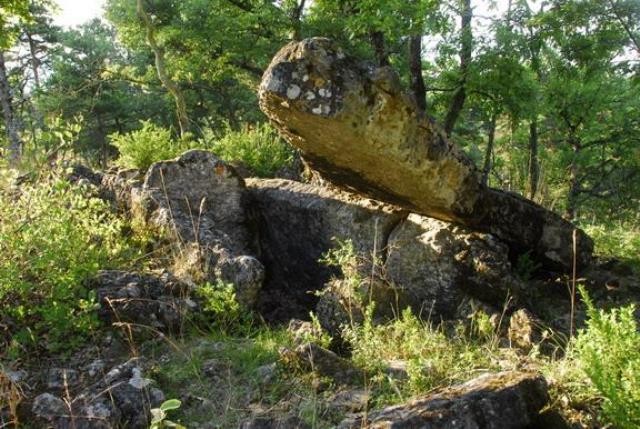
(170, 404)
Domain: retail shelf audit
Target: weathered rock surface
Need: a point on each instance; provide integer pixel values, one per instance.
(160, 302)
(297, 226)
(355, 126)
(122, 398)
(429, 265)
(435, 264)
(507, 400)
(525, 330)
(201, 202)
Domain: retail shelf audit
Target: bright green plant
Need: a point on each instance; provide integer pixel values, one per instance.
(159, 415)
(220, 306)
(433, 358)
(139, 149)
(261, 149)
(52, 238)
(344, 257)
(609, 353)
(617, 239)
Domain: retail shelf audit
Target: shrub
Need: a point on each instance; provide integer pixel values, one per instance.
(608, 350)
(260, 149)
(220, 307)
(139, 149)
(52, 238)
(617, 239)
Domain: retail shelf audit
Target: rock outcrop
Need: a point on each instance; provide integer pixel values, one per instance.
(356, 127)
(161, 302)
(297, 225)
(402, 260)
(506, 400)
(123, 397)
(200, 202)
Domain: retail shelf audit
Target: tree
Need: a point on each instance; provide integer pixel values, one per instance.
(10, 12)
(167, 81)
(90, 77)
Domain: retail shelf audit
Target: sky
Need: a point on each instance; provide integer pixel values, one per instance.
(75, 12)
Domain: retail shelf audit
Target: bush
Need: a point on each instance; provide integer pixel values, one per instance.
(139, 149)
(220, 308)
(260, 149)
(609, 353)
(617, 239)
(52, 238)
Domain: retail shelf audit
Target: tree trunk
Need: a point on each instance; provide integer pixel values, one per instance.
(165, 79)
(296, 20)
(488, 154)
(466, 48)
(415, 67)
(35, 62)
(11, 121)
(354, 125)
(574, 184)
(377, 42)
(534, 167)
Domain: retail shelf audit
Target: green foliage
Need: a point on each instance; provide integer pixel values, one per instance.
(433, 358)
(221, 308)
(617, 239)
(237, 361)
(11, 11)
(159, 415)
(609, 352)
(53, 236)
(139, 149)
(261, 149)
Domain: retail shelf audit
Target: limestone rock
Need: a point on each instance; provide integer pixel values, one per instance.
(506, 400)
(297, 224)
(157, 301)
(433, 265)
(122, 398)
(356, 127)
(423, 263)
(201, 202)
(525, 330)
(313, 357)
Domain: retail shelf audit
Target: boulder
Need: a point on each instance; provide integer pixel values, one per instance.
(506, 400)
(435, 264)
(526, 330)
(312, 357)
(200, 202)
(354, 124)
(297, 225)
(122, 398)
(130, 297)
(112, 186)
(401, 260)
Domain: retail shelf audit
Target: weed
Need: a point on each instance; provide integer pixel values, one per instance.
(159, 415)
(261, 149)
(221, 308)
(608, 350)
(139, 149)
